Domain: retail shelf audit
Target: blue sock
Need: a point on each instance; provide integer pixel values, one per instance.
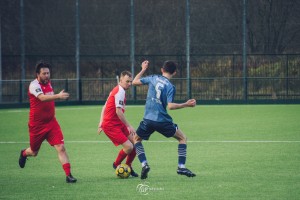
(139, 148)
(181, 155)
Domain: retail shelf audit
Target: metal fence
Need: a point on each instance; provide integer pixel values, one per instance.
(216, 44)
(214, 78)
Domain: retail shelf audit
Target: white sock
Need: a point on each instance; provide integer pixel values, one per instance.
(144, 163)
(181, 165)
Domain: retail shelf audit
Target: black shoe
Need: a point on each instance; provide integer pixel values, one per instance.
(22, 159)
(114, 166)
(70, 179)
(145, 170)
(185, 171)
(133, 173)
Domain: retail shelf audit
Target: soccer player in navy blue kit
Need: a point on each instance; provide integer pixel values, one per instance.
(161, 93)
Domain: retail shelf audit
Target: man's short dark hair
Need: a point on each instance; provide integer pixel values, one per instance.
(124, 73)
(41, 64)
(170, 66)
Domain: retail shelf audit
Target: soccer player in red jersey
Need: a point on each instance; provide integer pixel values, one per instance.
(114, 123)
(42, 122)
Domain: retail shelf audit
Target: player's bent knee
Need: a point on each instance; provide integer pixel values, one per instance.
(183, 140)
(181, 137)
(128, 147)
(60, 148)
(34, 153)
(137, 139)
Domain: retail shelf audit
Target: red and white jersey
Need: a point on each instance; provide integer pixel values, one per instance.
(116, 99)
(40, 112)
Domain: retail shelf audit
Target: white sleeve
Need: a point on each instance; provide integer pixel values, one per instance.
(35, 88)
(120, 98)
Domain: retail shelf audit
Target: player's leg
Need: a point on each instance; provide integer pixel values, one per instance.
(36, 139)
(180, 136)
(62, 154)
(56, 139)
(131, 156)
(24, 154)
(142, 157)
(182, 146)
(64, 160)
(29, 152)
(170, 129)
(126, 150)
(143, 133)
(119, 135)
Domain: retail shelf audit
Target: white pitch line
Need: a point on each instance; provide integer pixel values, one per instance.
(173, 141)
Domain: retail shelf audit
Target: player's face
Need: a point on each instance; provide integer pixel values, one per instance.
(44, 75)
(125, 82)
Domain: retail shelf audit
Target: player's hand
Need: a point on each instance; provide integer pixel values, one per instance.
(145, 65)
(99, 130)
(63, 94)
(191, 102)
(131, 130)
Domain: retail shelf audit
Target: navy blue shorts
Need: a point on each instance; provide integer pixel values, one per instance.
(147, 127)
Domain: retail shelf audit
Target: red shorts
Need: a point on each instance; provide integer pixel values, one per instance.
(117, 134)
(50, 132)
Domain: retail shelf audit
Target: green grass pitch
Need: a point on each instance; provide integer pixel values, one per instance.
(237, 152)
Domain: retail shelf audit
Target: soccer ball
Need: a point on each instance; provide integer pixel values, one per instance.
(123, 171)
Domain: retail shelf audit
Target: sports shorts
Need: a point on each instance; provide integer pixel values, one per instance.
(117, 134)
(50, 131)
(147, 127)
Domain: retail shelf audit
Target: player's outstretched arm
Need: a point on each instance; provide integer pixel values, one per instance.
(136, 81)
(188, 103)
(61, 95)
